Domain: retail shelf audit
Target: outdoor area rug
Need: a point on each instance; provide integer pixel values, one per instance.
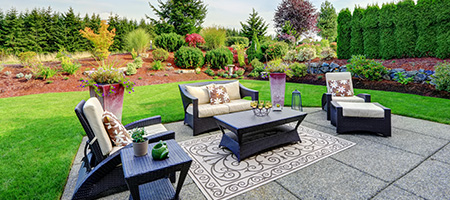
(219, 175)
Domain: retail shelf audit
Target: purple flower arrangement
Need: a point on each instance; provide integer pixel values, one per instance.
(107, 75)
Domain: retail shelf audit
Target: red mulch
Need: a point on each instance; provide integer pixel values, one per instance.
(10, 86)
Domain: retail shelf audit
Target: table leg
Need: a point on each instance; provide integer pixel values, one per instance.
(134, 190)
(183, 174)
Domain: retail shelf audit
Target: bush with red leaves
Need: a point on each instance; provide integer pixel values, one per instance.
(194, 39)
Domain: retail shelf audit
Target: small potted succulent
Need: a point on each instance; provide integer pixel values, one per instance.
(140, 144)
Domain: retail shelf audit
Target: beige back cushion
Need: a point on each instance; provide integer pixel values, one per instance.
(338, 76)
(233, 90)
(93, 111)
(200, 92)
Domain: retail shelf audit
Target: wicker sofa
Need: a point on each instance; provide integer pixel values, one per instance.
(199, 113)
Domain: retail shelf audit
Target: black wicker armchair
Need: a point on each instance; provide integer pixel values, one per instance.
(101, 175)
(203, 124)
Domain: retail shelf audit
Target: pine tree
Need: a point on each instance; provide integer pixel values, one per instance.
(357, 39)
(36, 34)
(185, 16)
(68, 25)
(426, 29)
(301, 14)
(327, 21)
(344, 34)
(12, 31)
(387, 27)
(442, 15)
(254, 24)
(405, 29)
(254, 51)
(371, 32)
(49, 42)
(2, 22)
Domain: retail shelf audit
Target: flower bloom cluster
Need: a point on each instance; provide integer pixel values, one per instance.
(107, 75)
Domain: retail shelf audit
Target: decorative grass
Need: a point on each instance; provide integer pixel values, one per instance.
(40, 134)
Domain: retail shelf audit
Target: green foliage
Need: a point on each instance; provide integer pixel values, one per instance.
(344, 34)
(442, 76)
(101, 40)
(157, 65)
(131, 69)
(43, 72)
(327, 21)
(20, 75)
(254, 51)
(327, 53)
(241, 57)
(237, 39)
(169, 41)
(368, 69)
(214, 36)
(306, 54)
(160, 54)
(405, 30)
(134, 54)
(219, 58)
(68, 66)
(234, 76)
(277, 50)
(28, 58)
(426, 29)
(442, 15)
(182, 17)
(240, 72)
(138, 62)
(290, 55)
(254, 25)
(357, 38)
(138, 39)
(371, 31)
(188, 57)
(387, 31)
(137, 134)
(29, 76)
(298, 69)
(258, 67)
(401, 78)
(210, 72)
(279, 66)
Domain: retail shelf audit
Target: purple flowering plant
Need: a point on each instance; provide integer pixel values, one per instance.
(107, 73)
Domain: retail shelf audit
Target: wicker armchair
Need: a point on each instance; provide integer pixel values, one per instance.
(203, 124)
(101, 174)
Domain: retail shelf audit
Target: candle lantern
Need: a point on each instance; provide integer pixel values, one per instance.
(296, 103)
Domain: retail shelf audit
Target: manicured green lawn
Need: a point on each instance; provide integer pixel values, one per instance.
(40, 134)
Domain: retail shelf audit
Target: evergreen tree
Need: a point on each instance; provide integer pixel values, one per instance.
(327, 21)
(2, 22)
(254, 24)
(185, 16)
(357, 40)
(405, 29)
(370, 32)
(344, 34)
(147, 27)
(426, 29)
(68, 25)
(35, 30)
(254, 51)
(12, 31)
(301, 14)
(442, 15)
(387, 29)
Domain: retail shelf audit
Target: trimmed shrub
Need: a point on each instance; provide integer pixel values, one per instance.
(442, 76)
(387, 29)
(131, 69)
(214, 37)
(290, 56)
(138, 62)
(405, 30)
(426, 29)
(210, 72)
(258, 67)
(160, 54)
(254, 51)
(157, 65)
(169, 41)
(277, 50)
(298, 69)
(219, 58)
(344, 34)
(327, 53)
(237, 39)
(188, 57)
(138, 39)
(368, 69)
(357, 39)
(306, 54)
(442, 14)
(370, 32)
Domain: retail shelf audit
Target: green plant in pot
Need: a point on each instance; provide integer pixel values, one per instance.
(140, 144)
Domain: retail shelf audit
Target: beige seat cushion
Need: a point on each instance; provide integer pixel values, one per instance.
(153, 129)
(208, 110)
(347, 99)
(239, 105)
(93, 111)
(367, 110)
(233, 90)
(201, 92)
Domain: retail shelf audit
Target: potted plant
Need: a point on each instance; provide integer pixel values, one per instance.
(108, 84)
(140, 144)
(277, 71)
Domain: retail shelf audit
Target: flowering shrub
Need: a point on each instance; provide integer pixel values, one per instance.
(240, 72)
(306, 54)
(194, 39)
(279, 66)
(290, 55)
(327, 53)
(277, 50)
(365, 68)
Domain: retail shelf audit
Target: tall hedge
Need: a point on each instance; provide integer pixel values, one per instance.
(442, 12)
(405, 30)
(426, 28)
(357, 40)
(344, 34)
(387, 28)
(371, 32)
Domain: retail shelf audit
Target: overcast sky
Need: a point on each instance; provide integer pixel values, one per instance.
(226, 13)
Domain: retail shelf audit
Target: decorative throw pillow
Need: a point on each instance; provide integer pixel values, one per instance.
(340, 88)
(116, 131)
(218, 94)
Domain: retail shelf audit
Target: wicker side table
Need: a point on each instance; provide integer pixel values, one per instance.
(147, 178)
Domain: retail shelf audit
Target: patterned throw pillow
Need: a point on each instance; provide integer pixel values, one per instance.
(116, 131)
(218, 94)
(340, 88)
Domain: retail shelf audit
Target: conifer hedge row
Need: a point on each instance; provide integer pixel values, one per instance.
(397, 30)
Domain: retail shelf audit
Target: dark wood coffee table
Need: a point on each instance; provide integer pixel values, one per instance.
(251, 134)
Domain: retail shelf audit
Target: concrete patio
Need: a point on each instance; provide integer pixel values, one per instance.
(412, 164)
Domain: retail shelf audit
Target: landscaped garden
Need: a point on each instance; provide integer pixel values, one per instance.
(42, 83)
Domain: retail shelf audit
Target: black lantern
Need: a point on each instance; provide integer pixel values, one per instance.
(296, 103)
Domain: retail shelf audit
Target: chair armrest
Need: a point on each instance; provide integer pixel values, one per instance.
(144, 122)
(366, 97)
(326, 99)
(187, 98)
(254, 94)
